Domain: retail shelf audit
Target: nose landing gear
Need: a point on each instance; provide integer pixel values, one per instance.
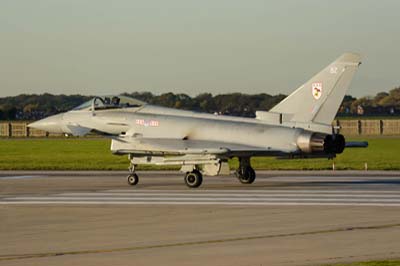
(132, 178)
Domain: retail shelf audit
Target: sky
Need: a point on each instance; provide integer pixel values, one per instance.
(183, 46)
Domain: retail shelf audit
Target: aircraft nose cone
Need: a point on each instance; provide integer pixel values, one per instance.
(52, 124)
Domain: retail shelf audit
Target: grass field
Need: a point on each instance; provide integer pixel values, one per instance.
(94, 154)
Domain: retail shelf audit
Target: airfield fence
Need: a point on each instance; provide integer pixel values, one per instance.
(384, 127)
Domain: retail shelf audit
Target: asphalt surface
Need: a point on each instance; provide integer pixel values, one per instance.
(284, 218)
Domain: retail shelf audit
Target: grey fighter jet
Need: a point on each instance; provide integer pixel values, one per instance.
(298, 127)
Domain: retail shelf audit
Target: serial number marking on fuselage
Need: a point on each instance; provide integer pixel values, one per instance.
(147, 123)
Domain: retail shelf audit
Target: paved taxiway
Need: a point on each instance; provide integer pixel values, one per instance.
(285, 218)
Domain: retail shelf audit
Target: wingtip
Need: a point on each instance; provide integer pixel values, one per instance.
(354, 58)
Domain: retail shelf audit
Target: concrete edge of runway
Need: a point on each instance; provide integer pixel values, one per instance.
(269, 173)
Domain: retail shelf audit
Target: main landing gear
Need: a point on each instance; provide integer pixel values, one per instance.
(245, 173)
(193, 179)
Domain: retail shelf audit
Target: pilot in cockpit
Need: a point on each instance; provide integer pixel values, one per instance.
(107, 101)
(115, 101)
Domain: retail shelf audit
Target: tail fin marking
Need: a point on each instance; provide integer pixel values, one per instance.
(319, 99)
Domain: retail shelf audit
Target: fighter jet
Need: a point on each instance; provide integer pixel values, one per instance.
(300, 126)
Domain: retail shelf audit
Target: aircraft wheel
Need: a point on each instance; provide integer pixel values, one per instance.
(246, 175)
(193, 179)
(133, 179)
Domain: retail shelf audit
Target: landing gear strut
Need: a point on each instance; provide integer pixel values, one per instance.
(133, 178)
(245, 173)
(193, 179)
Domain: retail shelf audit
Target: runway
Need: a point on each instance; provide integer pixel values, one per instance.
(284, 218)
(218, 197)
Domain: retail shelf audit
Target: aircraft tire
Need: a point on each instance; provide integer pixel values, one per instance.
(193, 179)
(246, 175)
(133, 179)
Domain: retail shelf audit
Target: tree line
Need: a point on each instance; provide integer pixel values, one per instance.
(33, 106)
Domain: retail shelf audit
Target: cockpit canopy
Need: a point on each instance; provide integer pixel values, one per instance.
(110, 102)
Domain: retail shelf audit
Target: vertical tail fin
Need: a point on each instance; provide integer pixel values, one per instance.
(319, 99)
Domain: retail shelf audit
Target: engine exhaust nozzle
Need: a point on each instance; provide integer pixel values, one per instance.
(310, 142)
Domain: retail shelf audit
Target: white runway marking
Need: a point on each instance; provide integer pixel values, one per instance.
(216, 197)
(352, 191)
(326, 195)
(20, 177)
